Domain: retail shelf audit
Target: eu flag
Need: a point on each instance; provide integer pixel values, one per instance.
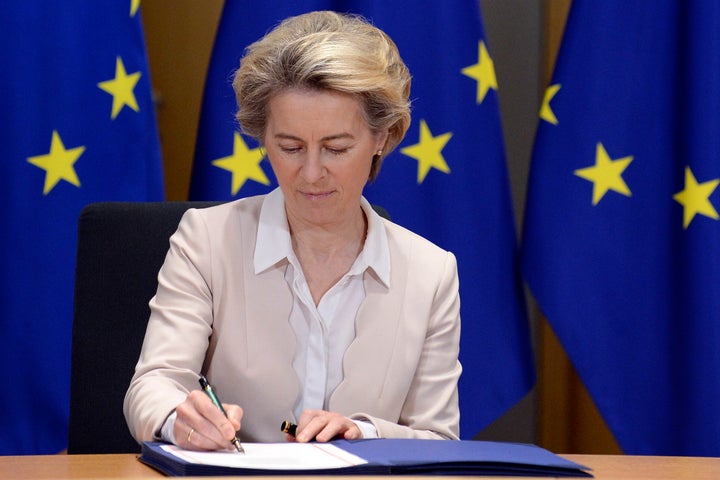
(77, 126)
(621, 240)
(447, 181)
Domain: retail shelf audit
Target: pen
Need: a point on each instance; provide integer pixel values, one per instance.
(288, 427)
(208, 389)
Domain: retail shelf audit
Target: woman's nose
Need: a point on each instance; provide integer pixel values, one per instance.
(313, 169)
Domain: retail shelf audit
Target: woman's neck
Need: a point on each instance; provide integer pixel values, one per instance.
(324, 241)
(326, 253)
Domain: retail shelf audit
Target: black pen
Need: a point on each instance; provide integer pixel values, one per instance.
(208, 389)
(288, 427)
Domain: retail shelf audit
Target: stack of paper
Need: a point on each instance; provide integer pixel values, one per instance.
(366, 457)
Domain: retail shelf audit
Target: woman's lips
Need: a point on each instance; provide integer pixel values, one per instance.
(316, 195)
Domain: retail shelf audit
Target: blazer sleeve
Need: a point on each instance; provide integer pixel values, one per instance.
(431, 408)
(176, 339)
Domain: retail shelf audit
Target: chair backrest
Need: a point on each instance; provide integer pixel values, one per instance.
(121, 246)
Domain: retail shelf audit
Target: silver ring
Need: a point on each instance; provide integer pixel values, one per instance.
(192, 430)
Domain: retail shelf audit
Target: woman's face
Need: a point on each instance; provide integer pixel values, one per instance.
(320, 148)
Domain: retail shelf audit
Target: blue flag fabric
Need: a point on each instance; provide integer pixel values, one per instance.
(447, 181)
(621, 243)
(77, 126)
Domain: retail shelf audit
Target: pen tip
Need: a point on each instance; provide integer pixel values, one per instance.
(238, 447)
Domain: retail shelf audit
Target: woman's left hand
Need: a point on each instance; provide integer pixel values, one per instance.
(323, 426)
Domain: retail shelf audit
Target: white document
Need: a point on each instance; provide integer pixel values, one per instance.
(275, 456)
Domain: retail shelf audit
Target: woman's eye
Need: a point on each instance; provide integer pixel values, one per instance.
(290, 149)
(337, 150)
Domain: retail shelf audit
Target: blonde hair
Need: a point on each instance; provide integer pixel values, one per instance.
(327, 51)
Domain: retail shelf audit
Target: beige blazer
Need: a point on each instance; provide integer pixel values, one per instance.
(213, 314)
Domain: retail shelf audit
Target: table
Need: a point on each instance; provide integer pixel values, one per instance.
(121, 466)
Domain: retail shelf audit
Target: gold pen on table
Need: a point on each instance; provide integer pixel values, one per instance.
(208, 389)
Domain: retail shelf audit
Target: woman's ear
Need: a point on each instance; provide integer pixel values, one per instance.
(381, 140)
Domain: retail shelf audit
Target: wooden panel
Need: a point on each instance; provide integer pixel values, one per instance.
(179, 35)
(116, 466)
(556, 12)
(568, 420)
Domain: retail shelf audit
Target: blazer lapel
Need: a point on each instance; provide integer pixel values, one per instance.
(369, 355)
(271, 342)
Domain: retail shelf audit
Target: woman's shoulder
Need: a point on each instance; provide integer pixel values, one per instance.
(405, 240)
(234, 209)
(398, 233)
(419, 264)
(237, 218)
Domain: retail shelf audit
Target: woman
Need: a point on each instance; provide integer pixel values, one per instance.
(304, 304)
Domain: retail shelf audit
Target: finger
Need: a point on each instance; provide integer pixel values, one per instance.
(212, 431)
(309, 424)
(184, 430)
(336, 425)
(189, 438)
(216, 425)
(183, 434)
(353, 433)
(324, 426)
(235, 415)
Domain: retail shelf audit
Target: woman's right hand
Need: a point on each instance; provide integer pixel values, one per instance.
(200, 425)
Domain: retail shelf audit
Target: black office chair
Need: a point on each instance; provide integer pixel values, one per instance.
(121, 246)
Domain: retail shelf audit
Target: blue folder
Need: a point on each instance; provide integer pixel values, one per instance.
(387, 456)
(438, 457)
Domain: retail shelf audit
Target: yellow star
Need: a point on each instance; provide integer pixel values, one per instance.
(121, 88)
(428, 152)
(483, 72)
(134, 5)
(244, 164)
(546, 112)
(606, 174)
(696, 198)
(58, 164)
